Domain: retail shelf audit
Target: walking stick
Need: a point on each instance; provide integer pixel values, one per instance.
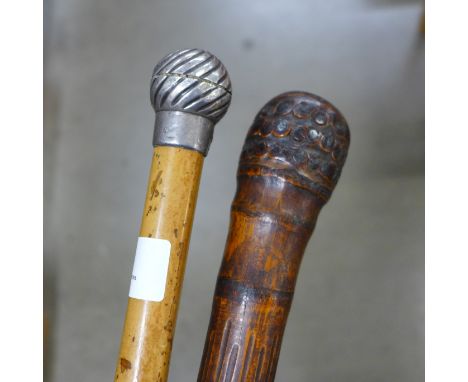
(289, 166)
(190, 92)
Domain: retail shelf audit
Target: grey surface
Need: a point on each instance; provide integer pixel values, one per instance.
(358, 313)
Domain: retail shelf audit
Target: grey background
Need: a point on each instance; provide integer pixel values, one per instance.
(358, 313)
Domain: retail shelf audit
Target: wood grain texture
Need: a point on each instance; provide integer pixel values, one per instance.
(168, 214)
(289, 166)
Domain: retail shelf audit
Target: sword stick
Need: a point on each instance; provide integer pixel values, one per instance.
(290, 163)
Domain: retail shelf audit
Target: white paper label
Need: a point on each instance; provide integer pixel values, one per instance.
(150, 269)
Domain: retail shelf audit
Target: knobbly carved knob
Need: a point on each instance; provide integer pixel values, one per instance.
(290, 163)
(301, 137)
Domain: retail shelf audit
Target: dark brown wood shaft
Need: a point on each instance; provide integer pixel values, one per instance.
(283, 183)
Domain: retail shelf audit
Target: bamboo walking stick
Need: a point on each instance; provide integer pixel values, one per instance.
(289, 166)
(190, 92)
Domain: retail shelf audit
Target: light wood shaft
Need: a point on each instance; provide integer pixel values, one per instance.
(168, 214)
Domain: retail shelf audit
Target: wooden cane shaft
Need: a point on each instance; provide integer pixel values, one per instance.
(256, 281)
(168, 214)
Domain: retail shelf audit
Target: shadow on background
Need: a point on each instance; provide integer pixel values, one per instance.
(50, 137)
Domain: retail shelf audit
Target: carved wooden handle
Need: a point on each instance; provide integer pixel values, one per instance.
(289, 166)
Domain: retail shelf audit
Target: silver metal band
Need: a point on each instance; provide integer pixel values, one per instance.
(182, 129)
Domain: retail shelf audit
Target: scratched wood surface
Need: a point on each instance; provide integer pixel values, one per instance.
(168, 214)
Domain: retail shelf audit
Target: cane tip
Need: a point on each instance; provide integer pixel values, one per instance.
(193, 81)
(301, 137)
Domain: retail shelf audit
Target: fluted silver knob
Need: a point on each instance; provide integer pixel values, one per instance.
(190, 92)
(194, 81)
